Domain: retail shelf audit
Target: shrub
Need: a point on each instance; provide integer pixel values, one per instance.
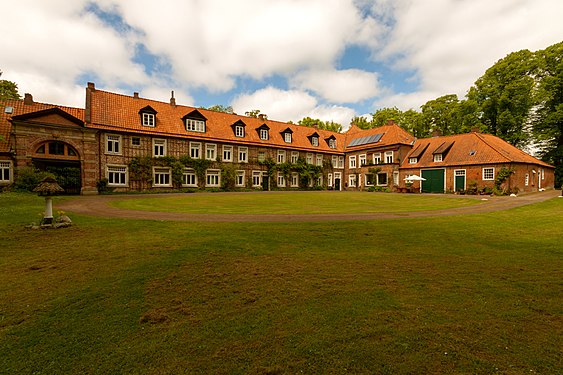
(27, 178)
(102, 185)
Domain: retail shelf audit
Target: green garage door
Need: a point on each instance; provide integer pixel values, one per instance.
(434, 182)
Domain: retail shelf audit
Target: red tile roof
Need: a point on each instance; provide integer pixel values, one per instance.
(118, 112)
(392, 134)
(467, 149)
(19, 108)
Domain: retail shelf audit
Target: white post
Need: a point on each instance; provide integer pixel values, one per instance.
(48, 218)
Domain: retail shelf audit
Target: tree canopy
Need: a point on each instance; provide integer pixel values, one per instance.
(324, 125)
(8, 89)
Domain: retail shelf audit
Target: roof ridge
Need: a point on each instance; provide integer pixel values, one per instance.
(480, 136)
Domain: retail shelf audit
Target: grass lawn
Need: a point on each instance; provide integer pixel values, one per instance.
(465, 294)
(293, 203)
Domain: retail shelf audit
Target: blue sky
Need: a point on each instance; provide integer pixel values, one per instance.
(327, 59)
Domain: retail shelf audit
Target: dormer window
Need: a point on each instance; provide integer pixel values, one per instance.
(264, 134)
(148, 116)
(238, 129)
(314, 139)
(195, 122)
(331, 142)
(437, 157)
(413, 160)
(287, 137)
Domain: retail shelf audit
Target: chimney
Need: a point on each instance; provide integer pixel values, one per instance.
(262, 117)
(92, 86)
(390, 122)
(436, 133)
(476, 129)
(172, 99)
(28, 99)
(136, 95)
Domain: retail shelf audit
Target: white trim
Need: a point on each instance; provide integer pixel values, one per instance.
(6, 167)
(483, 174)
(113, 140)
(193, 147)
(376, 158)
(117, 170)
(464, 178)
(162, 146)
(213, 173)
(190, 172)
(148, 119)
(259, 175)
(164, 181)
(230, 150)
(210, 151)
(352, 161)
(243, 182)
(243, 154)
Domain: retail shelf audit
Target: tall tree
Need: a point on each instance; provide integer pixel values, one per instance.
(8, 89)
(221, 108)
(547, 119)
(441, 114)
(504, 96)
(383, 115)
(324, 125)
(361, 122)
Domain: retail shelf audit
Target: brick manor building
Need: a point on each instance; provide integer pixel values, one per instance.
(134, 143)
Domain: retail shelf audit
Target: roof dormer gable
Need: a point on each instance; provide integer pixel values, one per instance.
(148, 116)
(239, 128)
(195, 121)
(314, 139)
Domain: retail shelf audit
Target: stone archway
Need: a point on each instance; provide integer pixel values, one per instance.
(62, 160)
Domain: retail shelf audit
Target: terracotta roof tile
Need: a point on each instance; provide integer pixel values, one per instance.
(391, 134)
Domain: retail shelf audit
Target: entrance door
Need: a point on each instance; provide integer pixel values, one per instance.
(265, 182)
(459, 179)
(434, 180)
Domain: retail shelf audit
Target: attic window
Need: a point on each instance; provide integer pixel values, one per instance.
(332, 143)
(287, 135)
(9, 109)
(195, 122)
(413, 160)
(148, 116)
(264, 132)
(472, 152)
(437, 157)
(315, 141)
(238, 129)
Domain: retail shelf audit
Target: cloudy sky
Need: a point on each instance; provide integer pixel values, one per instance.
(327, 59)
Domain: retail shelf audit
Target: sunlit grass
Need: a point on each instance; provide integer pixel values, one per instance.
(467, 294)
(293, 203)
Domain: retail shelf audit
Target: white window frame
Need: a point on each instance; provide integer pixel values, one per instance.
(377, 158)
(352, 162)
(341, 162)
(161, 171)
(287, 137)
(212, 178)
(329, 182)
(149, 119)
(159, 147)
(309, 158)
(264, 134)
(352, 180)
(281, 157)
(195, 148)
(239, 131)
(527, 179)
(256, 178)
(315, 141)
(396, 178)
(6, 171)
(117, 170)
(413, 160)
(189, 174)
(362, 160)
(388, 157)
(281, 180)
(437, 158)
(542, 174)
(486, 171)
(243, 154)
(227, 153)
(332, 143)
(294, 179)
(319, 160)
(210, 151)
(294, 157)
(195, 125)
(113, 144)
(240, 178)
(261, 156)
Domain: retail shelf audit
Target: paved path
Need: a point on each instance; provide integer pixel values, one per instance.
(98, 206)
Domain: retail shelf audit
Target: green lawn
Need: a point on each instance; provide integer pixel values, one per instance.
(294, 203)
(465, 294)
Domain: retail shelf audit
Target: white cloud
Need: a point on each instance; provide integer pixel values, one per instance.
(339, 86)
(291, 105)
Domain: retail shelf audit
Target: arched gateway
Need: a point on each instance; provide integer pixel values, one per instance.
(62, 160)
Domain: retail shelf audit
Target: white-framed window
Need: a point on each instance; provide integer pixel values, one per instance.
(377, 158)
(437, 158)
(228, 153)
(527, 179)
(341, 162)
(113, 144)
(309, 158)
(388, 157)
(212, 178)
(413, 160)
(320, 181)
(334, 161)
(368, 179)
(329, 182)
(281, 180)
(135, 141)
(195, 150)
(352, 180)
(243, 154)
(161, 177)
(542, 174)
(332, 143)
(149, 119)
(5, 171)
(488, 174)
(295, 179)
(195, 125)
(287, 137)
(396, 178)
(239, 131)
(294, 156)
(256, 178)
(362, 160)
(319, 160)
(352, 162)
(210, 151)
(239, 179)
(117, 175)
(264, 134)
(281, 156)
(382, 179)
(315, 141)
(261, 156)
(189, 178)
(159, 147)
